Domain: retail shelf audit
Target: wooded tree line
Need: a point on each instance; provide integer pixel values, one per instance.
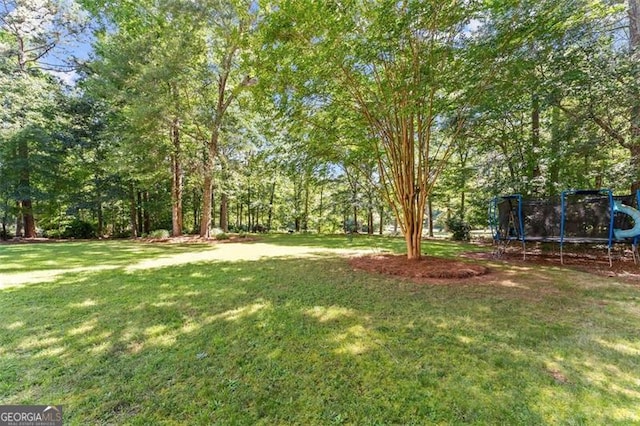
(308, 115)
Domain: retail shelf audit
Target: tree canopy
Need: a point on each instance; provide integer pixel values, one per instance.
(217, 116)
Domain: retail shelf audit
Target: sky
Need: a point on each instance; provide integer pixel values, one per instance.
(28, 17)
(79, 50)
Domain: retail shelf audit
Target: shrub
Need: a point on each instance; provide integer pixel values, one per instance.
(238, 229)
(125, 233)
(52, 233)
(79, 229)
(221, 236)
(5, 235)
(159, 234)
(460, 230)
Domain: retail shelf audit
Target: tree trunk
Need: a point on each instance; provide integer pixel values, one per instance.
(5, 219)
(177, 185)
(271, 198)
(224, 212)
(355, 218)
(25, 188)
(19, 219)
(430, 216)
(634, 45)
(133, 211)
(381, 230)
(139, 213)
(305, 214)
(99, 212)
(146, 213)
(249, 223)
(533, 168)
(554, 157)
(29, 221)
(207, 193)
(413, 234)
(196, 211)
(320, 211)
(635, 160)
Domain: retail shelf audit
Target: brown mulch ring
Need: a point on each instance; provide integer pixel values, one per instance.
(434, 270)
(428, 269)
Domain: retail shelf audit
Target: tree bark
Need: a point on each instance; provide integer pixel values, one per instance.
(430, 215)
(305, 214)
(139, 213)
(249, 221)
(196, 211)
(29, 221)
(177, 185)
(19, 219)
(355, 218)
(271, 198)
(100, 215)
(133, 211)
(205, 219)
(146, 214)
(224, 212)
(25, 188)
(533, 168)
(634, 47)
(207, 193)
(320, 212)
(413, 235)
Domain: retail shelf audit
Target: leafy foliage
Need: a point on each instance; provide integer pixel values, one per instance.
(460, 230)
(79, 229)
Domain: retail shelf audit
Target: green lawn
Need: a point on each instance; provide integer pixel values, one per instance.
(133, 333)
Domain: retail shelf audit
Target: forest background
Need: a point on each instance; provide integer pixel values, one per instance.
(241, 116)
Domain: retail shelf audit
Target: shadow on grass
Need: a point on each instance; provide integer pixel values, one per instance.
(311, 341)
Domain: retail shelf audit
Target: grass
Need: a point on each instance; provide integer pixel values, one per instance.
(131, 333)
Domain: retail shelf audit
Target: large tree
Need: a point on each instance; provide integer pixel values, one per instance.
(402, 69)
(30, 32)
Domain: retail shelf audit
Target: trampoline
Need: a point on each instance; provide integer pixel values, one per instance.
(575, 216)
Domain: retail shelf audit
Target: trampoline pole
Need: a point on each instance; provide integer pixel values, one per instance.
(612, 209)
(521, 223)
(634, 247)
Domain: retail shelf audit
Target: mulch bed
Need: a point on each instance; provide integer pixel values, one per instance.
(434, 270)
(426, 270)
